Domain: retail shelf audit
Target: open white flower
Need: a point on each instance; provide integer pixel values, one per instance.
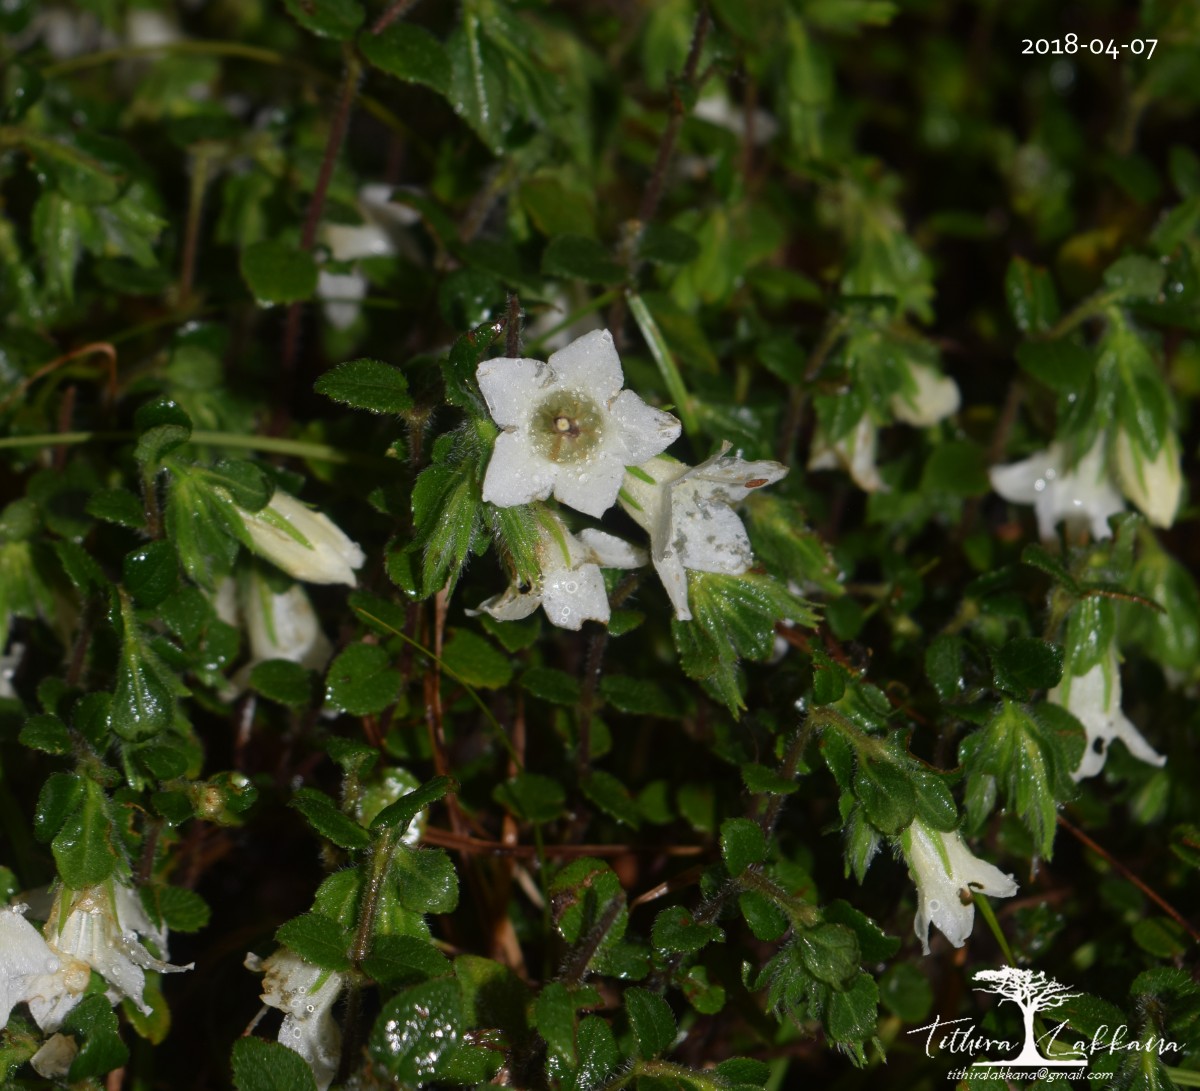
(934, 397)
(569, 428)
(305, 994)
(1094, 699)
(306, 544)
(103, 926)
(571, 585)
(1154, 487)
(1081, 494)
(854, 453)
(688, 512)
(32, 973)
(947, 873)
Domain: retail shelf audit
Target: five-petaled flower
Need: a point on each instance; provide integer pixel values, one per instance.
(1094, 698)
(305, 543)
(305, 994)
(571, 586)
(1058, 490)
(947, 873)
(688, 512)
(569, 427)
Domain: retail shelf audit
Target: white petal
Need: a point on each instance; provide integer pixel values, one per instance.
(340, 293)
(24, 956)
(707, 534)
(732, 478)
(306, 994)
(1023, 482)
(515, 475)
(609, 551)
(590, 364)
(935, 397)
(349, 242)
(574, 596)
(378, 206)
(644, 430)
(674, 580)
(328, 557)
(511, 388)
(512, 605)
(644, 500)
(590, 487)
(283, 626)
(854, 452)
(53, 1060)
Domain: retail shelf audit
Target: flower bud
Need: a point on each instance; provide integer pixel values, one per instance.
(306, 544)
(1154, 486)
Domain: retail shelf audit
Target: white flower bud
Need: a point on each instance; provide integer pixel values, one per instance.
(1155, 487)
(935, 397)
(306, 544)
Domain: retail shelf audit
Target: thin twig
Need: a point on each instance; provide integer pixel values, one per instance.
(512, 327)
(478, 846)
(102, 348)
(393, 12)
(799, 395)
(338, 125)
(658, 176)
(1122, 870)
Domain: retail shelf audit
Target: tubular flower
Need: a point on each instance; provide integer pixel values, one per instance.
(103, 927)
(306, 544)
(1094, 698)
(305, 994)
(569, 427)
(946, 873)
(1155, 485)
(571, 586)
(932, 398)
(688, 512)
(282, 625)
(1082, 493)
(854, 452)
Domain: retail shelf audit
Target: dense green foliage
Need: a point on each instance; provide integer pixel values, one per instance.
(924, 307)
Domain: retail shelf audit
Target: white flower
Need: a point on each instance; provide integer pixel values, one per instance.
(569, 428)
(688, 512)
(1083, 493)
(571, 586)
(947, 873)
(854, 452)
(933, 398)
(306, 995)
(10, 663)
(103, 926)
(1155, 487)
(34, 974)
(282, 625)
(1094, 699)
(304, 543)
(375, 237)
(717, 110)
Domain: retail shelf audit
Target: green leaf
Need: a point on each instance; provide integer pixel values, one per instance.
(400, 814)
(1062, 365)
(328, 820)
(198, 524)
(362, 681)
(46, 733)
(57, 231)
(957, 468)
(651, 1020)
(1039, 557)
(830, 953)
(531, 797)
(102, 1049)
(317, 939)
(181, 910)
(743, 844)
(1032, 300)
(151, 573)
(598, 1054)
(906, 992)
(551, 685)
(1026, 663)
(612, 797)
(887, 795)
(578, 257)
(675, 931)
(337, 19)
(118, 506)
(367, 384)
(475, 661)
(260, 1065)
(282, 681)
(478, 90)
(85, 848)
(425, 880)
(667, 245)
(404, 960)
(766, 920)
(247, 485)
(638, 696)
(409, 53)
(944, 665)
(1135, 277)
(276, 272)
(60, 796)
(418, 1031)
(163, 426)
(142, 704)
